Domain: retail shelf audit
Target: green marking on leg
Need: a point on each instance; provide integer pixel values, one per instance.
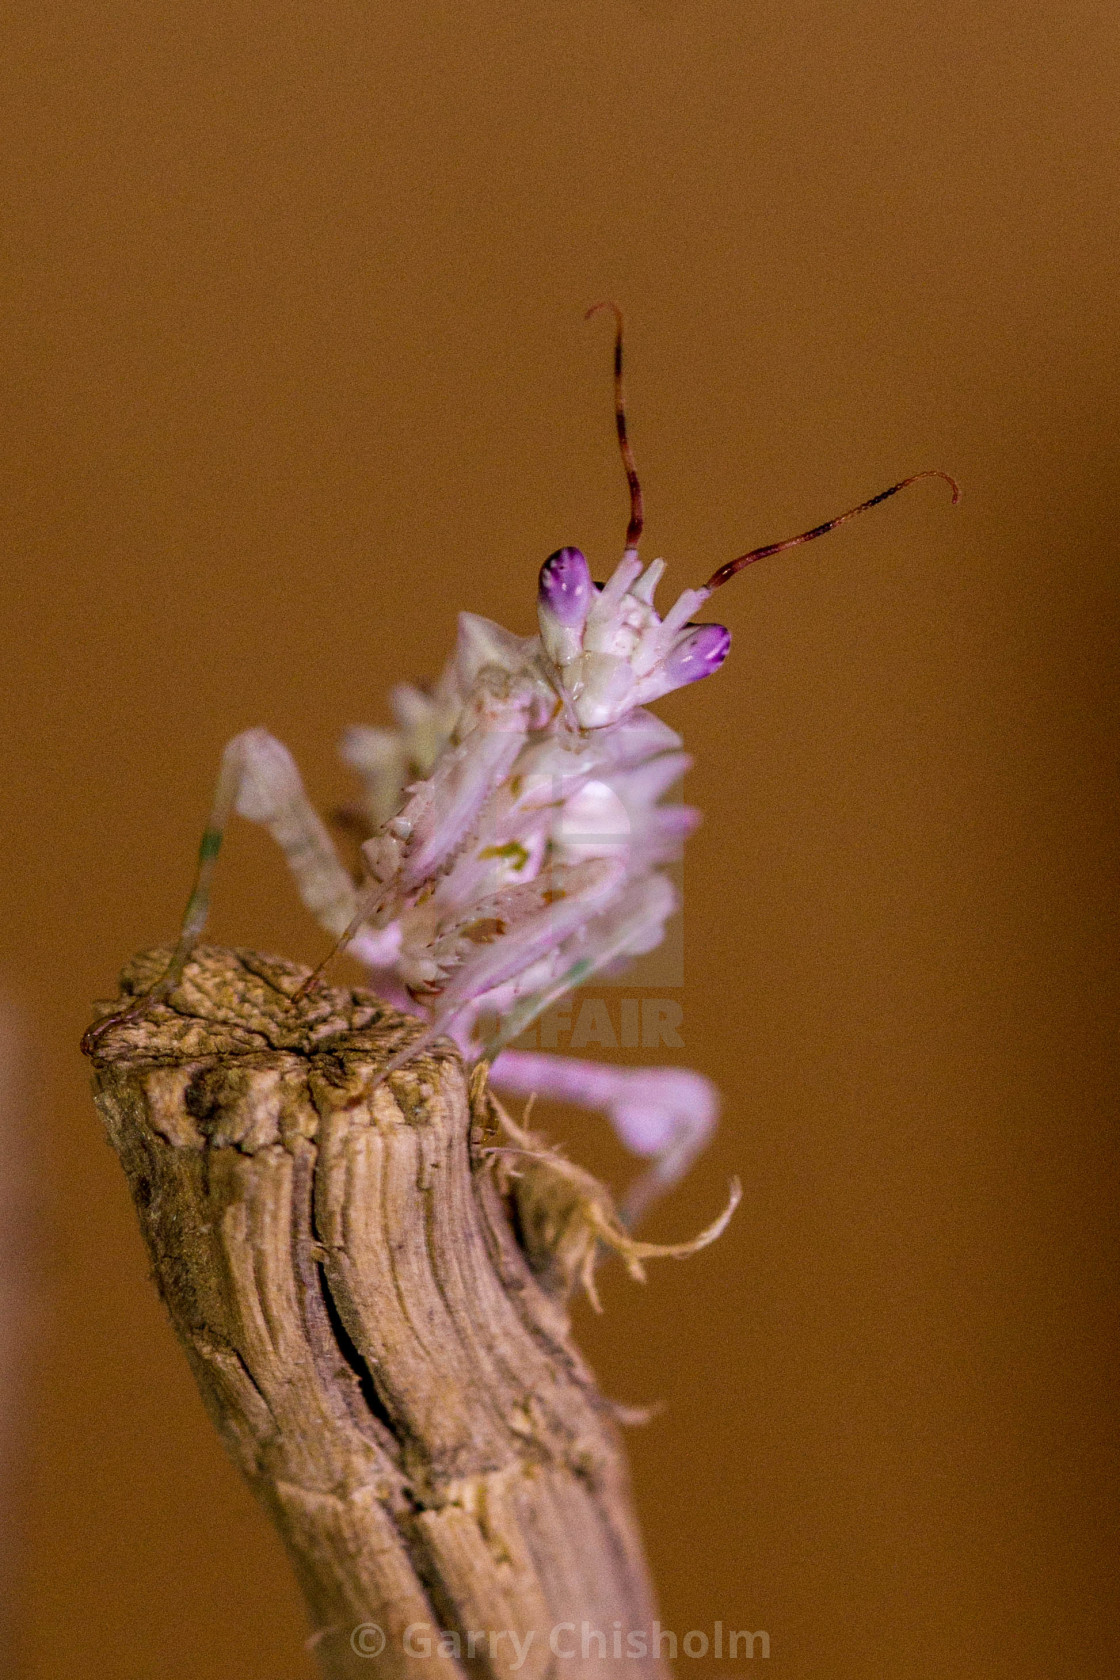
(210, 845)
(196, 907)
(517, 854)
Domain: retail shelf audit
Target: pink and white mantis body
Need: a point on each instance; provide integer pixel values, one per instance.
(518, 834)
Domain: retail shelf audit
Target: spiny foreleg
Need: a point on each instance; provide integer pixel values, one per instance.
(442, 812)
(439, 816)
(501, 937)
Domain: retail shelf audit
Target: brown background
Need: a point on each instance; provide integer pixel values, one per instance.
(296, 370)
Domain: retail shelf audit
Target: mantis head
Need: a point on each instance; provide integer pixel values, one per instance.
(611, 648)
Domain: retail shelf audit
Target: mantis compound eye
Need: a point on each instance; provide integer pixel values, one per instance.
(564, 600)
(565, 587)
(699, 653)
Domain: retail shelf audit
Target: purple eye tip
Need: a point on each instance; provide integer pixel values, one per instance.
(697, 654)
(565, 586)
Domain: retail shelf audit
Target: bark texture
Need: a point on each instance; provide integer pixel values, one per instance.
(389, 1366)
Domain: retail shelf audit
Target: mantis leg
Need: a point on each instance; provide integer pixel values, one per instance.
(665, 1114)
(258, 779)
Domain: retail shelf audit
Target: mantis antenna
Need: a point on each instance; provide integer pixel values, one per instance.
(637, 518)
(728, 571)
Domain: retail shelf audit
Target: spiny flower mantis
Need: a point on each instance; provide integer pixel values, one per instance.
(516, 830)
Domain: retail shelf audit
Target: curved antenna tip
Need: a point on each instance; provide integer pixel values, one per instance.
(930, 472)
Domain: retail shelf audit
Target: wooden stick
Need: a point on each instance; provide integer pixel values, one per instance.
(391, 1370)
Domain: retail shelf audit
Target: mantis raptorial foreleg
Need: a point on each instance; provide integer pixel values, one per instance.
(514, 930)
(440, 813)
